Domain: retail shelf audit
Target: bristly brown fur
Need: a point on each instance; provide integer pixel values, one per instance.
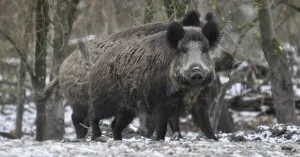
(73, 71)
(135, 76)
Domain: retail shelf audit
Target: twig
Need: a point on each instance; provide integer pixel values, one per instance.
(29, 69)
(84, 126)
(244, 30)
(218, 103)
(48, 90)
(294, 7)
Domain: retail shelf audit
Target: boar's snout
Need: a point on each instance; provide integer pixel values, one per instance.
(200, 76)
(196, 75)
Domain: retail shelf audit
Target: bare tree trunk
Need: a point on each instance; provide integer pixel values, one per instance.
(281, 82)
(65, 14)
(42, 24)
(27, 11)
(21, 101)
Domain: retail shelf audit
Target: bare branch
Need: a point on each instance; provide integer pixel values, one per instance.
(294, 7)
(219, 101)
(48, 90)
(244, 30)
(84, 126)
(29, 69)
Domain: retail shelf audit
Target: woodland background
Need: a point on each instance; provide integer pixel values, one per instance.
(36, 36)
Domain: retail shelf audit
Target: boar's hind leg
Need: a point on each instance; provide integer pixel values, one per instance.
(80, 130)
(101, 109)
(160, 115)
(96, 132)
(121, 120)
(174, 125)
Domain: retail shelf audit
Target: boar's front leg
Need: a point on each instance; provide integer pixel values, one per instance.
(201, 118)
(160, 116)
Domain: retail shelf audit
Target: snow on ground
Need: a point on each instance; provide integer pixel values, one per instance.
(141, 148)
(276, 140)
(8, 118)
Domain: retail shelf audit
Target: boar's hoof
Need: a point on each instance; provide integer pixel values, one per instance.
(176, 136)
(101, 139)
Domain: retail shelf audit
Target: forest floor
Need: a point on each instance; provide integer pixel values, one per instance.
(263, 140)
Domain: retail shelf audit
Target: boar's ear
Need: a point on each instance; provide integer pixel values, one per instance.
(192, 18)
(85, 52)
(210, 16)
(175, 33)
(211, 30)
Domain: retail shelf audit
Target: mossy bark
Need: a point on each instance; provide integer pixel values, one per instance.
(281, 80)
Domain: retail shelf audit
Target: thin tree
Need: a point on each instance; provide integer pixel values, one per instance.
(281, 81)
(22, 70)
(41, 24)
(38, 73)
(64, 16)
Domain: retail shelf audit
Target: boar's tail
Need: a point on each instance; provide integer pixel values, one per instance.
(85, 52)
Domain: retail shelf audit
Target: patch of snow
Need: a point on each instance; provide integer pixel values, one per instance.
(296, 90)
(84, 39)
(11, 60)
(27, 92)
(265, 89)
(133, 127)
(136, 122)
(236, 89)
(9, 117)
(279, 133)
(224, 79)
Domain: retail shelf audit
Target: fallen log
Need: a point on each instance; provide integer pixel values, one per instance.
(239, 103)
(7, 135)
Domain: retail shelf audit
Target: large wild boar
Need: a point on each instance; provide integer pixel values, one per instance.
(223, 61)
(73, 71)
(160, 75)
